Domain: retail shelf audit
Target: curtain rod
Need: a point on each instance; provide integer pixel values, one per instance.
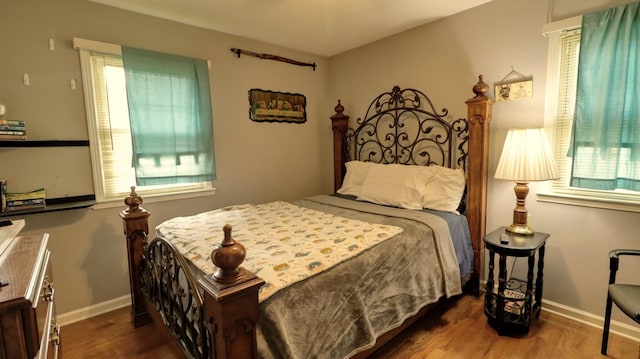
(272, 57)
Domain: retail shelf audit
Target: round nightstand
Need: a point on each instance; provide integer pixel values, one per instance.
(511, 305)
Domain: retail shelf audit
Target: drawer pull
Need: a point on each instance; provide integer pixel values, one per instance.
(54, 336)
(48, 291)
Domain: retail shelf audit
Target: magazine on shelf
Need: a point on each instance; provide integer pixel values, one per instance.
(514, 301)
(35, 194)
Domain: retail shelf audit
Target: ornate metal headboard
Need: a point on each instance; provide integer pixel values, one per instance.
(402, 126)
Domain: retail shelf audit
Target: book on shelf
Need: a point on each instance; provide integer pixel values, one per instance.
(12, 128)
(14, 133)
(4, 121)
(13, 138)
(24, 202)
(25, 207)
(35, 194)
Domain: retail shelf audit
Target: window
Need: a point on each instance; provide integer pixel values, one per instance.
(564, 50)
(167, 166)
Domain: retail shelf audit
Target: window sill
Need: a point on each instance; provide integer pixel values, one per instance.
(589, 201)
(156, 198)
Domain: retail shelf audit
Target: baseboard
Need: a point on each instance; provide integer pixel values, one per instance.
(596, 321)
(618, 328)
(590, 319)
(94, 310)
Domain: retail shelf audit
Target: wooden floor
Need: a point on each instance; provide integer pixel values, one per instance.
(457, 329)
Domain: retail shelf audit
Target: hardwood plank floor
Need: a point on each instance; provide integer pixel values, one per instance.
(456, 329)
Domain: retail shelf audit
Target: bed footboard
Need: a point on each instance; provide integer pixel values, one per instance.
(213, 317)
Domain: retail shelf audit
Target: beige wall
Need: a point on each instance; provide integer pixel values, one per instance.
(256, 162)
(262, 162)
(444, 59)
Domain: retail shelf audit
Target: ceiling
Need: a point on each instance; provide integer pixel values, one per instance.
(321, 27)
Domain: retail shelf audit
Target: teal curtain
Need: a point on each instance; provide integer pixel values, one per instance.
(170, 114)
(606, 130)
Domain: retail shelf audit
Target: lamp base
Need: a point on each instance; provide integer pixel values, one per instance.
(521, 229)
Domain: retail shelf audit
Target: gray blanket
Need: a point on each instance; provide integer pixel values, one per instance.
(343, 311)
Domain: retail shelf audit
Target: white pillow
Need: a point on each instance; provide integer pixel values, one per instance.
(395, 185)
(353, 179)
(444, 190)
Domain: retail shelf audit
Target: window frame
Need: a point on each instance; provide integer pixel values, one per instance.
(104, 199)
(559, 191)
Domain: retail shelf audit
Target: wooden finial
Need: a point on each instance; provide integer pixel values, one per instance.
(133, 200)
(481, 88)
(227, 257)
(339, 108)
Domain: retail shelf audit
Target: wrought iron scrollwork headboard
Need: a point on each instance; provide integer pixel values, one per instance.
(403, 126)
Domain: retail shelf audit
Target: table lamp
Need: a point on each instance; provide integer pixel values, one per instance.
(526, 157)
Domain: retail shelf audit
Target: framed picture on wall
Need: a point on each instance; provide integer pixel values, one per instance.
(271, 106)
(513, 91)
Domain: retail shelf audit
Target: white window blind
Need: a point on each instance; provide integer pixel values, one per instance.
(568, 75)
(114, 133)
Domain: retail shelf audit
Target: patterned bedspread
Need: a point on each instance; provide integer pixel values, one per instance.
(405, 261)
(285, 243)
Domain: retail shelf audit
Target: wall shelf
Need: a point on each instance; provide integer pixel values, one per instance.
(52, 204)
(57, 204)
(44, 143)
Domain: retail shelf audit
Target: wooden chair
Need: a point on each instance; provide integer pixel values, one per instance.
(626, 296)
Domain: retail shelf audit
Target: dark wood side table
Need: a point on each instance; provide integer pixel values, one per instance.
(511, 306)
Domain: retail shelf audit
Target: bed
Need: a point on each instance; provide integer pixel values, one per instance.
(328, 276)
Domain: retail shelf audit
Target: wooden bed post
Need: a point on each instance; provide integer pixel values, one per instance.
(136, 229)
(230, 294)
(479, 117)
(339, 124)
(231, 302)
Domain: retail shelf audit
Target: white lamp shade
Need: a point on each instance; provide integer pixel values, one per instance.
(526, 156)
